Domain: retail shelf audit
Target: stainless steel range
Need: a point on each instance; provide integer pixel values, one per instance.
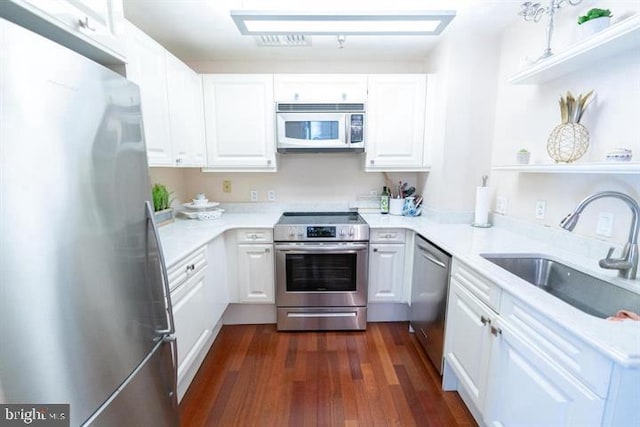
(322, 261)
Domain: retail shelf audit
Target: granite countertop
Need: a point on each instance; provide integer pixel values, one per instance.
(618, 340)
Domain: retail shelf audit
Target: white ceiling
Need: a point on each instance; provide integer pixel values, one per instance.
(202, 30)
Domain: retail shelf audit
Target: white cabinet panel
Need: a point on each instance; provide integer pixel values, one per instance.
(527, 389)
(256, 273)
(239, 121)
(396, 122)
(186, 116)
(96, 22)
(320, 88)
(146, 67)
(386, 272)
(467, 341)
(192, 329)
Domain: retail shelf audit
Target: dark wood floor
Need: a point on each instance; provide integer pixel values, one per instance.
(256, 376)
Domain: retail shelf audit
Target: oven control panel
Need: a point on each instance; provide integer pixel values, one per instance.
(321, 232)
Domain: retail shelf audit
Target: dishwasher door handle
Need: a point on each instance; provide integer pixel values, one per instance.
(429, 256)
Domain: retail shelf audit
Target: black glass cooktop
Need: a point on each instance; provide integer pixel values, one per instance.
(331, 218)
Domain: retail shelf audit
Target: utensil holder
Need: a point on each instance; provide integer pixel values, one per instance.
(395, 206)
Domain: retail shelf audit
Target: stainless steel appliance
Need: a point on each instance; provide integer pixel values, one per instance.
(85, 316)
(320, 127)
(431, 269)
(322, 261)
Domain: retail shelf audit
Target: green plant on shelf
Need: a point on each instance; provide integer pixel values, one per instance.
(594, 14)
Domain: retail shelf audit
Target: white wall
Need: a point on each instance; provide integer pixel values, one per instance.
(526, 114)
(466, 66)
(301, 178)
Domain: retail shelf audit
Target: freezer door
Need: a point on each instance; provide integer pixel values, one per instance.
(82, 302)
(126, 408)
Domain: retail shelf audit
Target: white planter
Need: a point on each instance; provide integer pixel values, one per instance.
(589, 28)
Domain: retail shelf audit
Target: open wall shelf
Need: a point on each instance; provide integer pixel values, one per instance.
(620, 37)
(620, 168)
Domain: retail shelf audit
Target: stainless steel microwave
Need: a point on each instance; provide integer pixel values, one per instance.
(304, 127)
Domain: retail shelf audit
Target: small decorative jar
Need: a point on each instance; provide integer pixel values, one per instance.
(523, 157)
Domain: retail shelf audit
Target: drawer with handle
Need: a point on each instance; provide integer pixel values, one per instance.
(387, 235)
(258, 235)
(186, 268)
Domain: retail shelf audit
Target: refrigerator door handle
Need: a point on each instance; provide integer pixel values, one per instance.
(165, 277)
(172, 341)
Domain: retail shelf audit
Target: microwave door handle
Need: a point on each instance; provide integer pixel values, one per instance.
(347, 129)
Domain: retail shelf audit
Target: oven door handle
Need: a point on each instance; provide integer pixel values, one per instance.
(322, 248)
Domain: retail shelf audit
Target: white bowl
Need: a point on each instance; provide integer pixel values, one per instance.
(200, 201)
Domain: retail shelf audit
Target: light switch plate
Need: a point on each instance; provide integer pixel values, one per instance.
(254, 195)
(605, 224)
(541, 209)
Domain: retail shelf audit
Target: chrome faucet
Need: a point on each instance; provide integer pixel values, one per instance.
(627, 264)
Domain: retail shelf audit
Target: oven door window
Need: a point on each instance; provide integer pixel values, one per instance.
(308, 130)
(321, 272)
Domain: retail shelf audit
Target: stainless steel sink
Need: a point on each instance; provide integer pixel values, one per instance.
(585, 292)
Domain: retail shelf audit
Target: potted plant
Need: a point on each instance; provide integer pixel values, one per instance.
(595, 20)
(523, 156)
(161, 204)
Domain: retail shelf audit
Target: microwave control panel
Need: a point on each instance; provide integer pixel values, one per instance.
(357, 128)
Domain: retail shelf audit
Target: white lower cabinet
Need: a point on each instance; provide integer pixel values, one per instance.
(468, 341)
(199, 297)
(515, 367)
(526, 388)
(255, 263)
(192, 329)
(387, 265)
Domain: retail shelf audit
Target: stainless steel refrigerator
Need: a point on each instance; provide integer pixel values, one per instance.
(85, 315)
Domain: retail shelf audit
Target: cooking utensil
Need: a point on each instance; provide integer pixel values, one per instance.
(409, 191)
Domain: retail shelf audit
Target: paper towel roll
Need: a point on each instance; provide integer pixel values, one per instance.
(481, 216)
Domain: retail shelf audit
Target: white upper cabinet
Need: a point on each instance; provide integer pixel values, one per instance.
(314, 88)
(146, 67)
(98, 24)
(396, 114)
(239, 122)
(186, 118)
(171, 99)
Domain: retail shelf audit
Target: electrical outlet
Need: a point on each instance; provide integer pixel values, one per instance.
(605, 224)
(501, 205)
(254, 195)
(271, 195)
(226, 186)
(541, 209)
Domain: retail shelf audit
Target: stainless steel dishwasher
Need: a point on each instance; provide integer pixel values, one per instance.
(431, 266)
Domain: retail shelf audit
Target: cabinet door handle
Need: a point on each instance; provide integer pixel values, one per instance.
(375, 249)
(84, 23)
(268, 162)
(267, 250)
(485, 320)
(496, 331)
(372, 161)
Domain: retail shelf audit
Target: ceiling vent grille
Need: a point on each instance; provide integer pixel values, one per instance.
(289, 40)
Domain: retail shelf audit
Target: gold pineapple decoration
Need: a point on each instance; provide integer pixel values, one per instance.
(570, 140)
